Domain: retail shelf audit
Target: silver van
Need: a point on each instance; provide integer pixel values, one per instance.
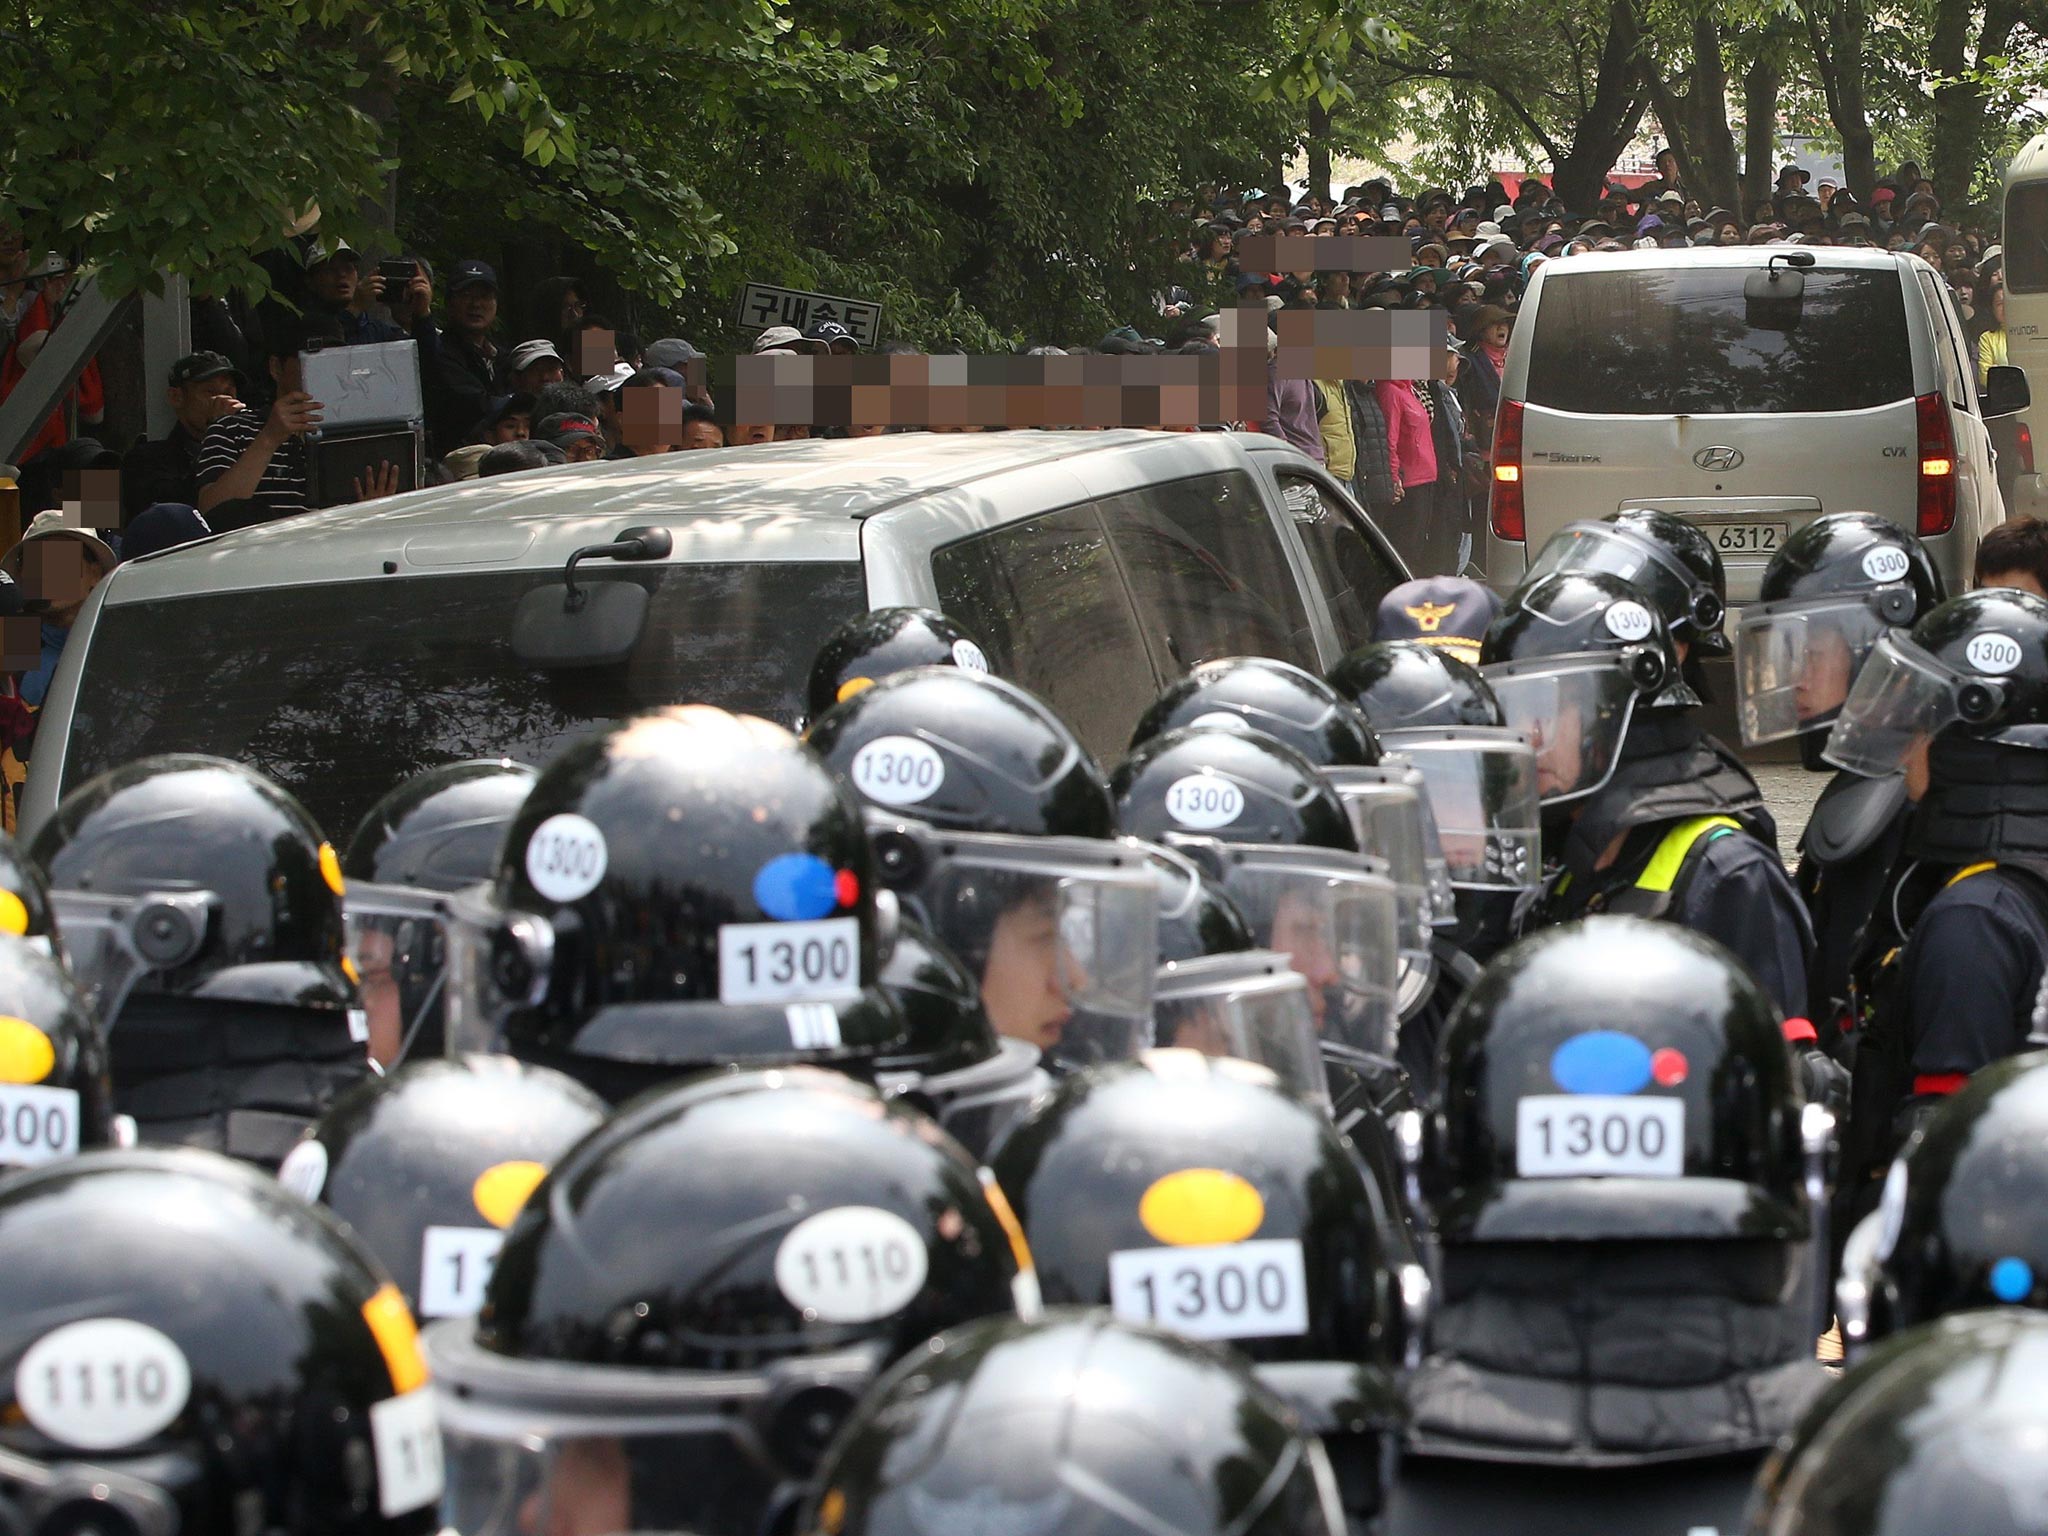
(1749, 389)
(342, 651)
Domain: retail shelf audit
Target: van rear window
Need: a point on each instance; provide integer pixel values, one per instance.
(1678, 341)
(2026, 237)
(338, 692)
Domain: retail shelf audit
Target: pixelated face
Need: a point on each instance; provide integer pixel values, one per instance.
(650, 417)
(597, 351)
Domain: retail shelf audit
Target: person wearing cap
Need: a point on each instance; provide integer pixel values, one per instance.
(464, 377)
(509, 418)
(579, 437)
(56, 566)
(777, 338)
(203, 388)
(533, 366)
(253, 469)
(831, 336)
(1449, 613)
(163, 526)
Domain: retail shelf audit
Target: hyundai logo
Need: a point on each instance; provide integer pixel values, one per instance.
(1717, 460)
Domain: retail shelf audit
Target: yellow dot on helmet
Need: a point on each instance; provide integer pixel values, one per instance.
(852, 686)
(13, 914)
(500, 1191)
(348, 969)
(26, 1054)
(330, 870)
(1199, 1206)
(832, 1512)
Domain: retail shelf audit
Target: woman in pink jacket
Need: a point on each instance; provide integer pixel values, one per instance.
(1412, 448)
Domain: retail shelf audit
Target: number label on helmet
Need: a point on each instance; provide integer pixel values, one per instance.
(1256, 1290)
(1994, 654)
(853, 1264)
(969, 657)
(1885, 564)
(37, 1124)
(408, 1446)
(898, 770)
(102, 1384)
(455, 1265)
(1590, 1135)
(1628, 621)
(304, 1170)
(566, 857)
(1204, 802)
(790, 962)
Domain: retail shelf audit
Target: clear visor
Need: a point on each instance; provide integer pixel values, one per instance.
(1253, 1006)
(400, 942)
(1391, 824)
(498, 962)
(1794, 664)
(1336, 922)
(1901, 696)
(1061, 933)
(1482, 793)
(112, 942)
(1601, 549)
(1574, 711)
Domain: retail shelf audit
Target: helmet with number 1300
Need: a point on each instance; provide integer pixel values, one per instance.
(693, 1301)
(1669, 563)
(864, 650)
(55, 1096)
(686, 889)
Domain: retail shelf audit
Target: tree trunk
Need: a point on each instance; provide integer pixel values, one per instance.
(1695, 119)
(1318, 150)
(1835, 34)
(1957, 135)
(1759, 123)
(1579, 175)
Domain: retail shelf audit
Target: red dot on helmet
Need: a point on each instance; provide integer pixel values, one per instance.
(1669, 1066)
(846, 886)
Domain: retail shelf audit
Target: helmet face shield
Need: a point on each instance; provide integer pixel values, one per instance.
(1252, 1005)
(1902, 696)
(1336, 922)
(1482, 793)
(498, 962)
(398, 940)
(1392, 823)
(112, 942)
(1795, 663)
(1574, 710)
(1603, 549)
(1061, 933)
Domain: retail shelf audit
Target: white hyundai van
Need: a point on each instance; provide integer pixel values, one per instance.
(1748, 389)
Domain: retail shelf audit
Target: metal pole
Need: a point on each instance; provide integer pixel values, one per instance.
(166, 337)
(86, 326)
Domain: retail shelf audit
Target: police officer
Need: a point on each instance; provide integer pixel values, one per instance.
(1838, 584)
(55, 1096)
(1939, 1433)
(810, 1233)
(438, 831)
(430, 1165)
(1629, 1196)
(1960, 704)
(683, 890)
(987, 1430)
(878, 644)
(190, 1348)
(1963, 1218)
(202, 911)
(1191, 1193)
(995, 828)
(1641, 814)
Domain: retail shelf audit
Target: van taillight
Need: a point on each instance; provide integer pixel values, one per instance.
(2026, 449)
(1504, 501)
(1937, 450)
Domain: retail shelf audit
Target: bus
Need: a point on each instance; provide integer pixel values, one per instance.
(2026, 311)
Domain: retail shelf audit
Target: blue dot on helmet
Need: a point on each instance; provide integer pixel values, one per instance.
(796, 887)
(1601, 1061)
(2012, 1279)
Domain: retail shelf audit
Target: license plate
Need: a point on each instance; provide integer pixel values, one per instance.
(817, 962)
(1749, 538)
(1587, 1135)
(1225, 1291)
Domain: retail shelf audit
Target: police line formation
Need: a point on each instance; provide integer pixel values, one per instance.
(1412, 1100)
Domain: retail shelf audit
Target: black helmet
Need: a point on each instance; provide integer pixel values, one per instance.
(440, 830)
(683, 890)
(1230, 785)
(709, 1282)
(1838, 584)
(1196, 918)
(1271, 698)
(967, 752)
(429, 1165)
(953, 1064)
(1571, 658)
(1400, 684)
(1665, 560)
(984, 1431)
(1963, 1221)
(25, 909)
(1615, 1078)
(1974, 669)
(188, 876)
(186, 1347)
(864, 650)
(1939, 1432)
(55, 1097)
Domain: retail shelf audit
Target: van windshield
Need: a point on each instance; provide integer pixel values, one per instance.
(1678, 341)
(339, 692)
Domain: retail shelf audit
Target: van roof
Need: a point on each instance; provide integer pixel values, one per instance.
(764, 502)
(2031, 162)
(1833, 256)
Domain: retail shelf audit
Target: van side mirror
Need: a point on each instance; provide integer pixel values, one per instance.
(2005, 391)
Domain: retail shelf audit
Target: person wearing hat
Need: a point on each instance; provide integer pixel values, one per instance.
(579, 437)
(463, 376)
(533, 366)
(1486, 357)
(161, 527)
(56, 567)
(830, 336)
(203, 388)
(1449, 613)
(1792, 173)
